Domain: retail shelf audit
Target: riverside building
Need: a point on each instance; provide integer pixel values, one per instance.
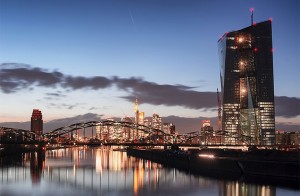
(247, 85)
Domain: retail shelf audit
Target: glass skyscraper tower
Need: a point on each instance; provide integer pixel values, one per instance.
(247, 96)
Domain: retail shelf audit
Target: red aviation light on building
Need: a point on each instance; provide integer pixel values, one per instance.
(271, 19)
(252, 9)
(272, 50)
(255, 49)
(254, 23)
(223, 36)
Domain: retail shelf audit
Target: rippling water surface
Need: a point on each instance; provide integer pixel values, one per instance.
(104, 171)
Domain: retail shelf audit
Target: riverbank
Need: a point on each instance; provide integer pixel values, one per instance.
(15, 149)
(258, 165)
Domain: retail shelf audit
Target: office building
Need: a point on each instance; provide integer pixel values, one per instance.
(156, 122)
(37, 123)
(247, 97)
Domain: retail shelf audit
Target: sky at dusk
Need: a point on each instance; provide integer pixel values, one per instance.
(71, 57)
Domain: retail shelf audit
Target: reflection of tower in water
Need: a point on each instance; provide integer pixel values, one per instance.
(37, 163)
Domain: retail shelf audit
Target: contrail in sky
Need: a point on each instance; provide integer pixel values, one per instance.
(132, 19)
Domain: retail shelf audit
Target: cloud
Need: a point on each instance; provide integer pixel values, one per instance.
(287, 126)
(14, 77)
(169, 95)
(58, 94)
(287, 106)
(63, 105)
(94, 83)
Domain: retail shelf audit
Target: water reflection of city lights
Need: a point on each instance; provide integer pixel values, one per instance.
(98, 161)
(136, 177)
(74, 170)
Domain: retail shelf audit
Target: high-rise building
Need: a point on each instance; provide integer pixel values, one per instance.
(141, 122)
(139, 119)
(148, 122)
(205, 123)
(136, 110)
(156, 122)
(37, 123)
(169, 128)
(99, 131)
(127, 130)
(247, 97)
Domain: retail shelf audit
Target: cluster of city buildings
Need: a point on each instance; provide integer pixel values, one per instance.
(210, 136)
(288, 138)
(147, 128)
(165, 132)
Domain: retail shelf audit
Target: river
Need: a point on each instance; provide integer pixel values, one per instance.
(104, 171)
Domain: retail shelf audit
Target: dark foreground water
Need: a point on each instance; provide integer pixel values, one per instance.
(103, 171)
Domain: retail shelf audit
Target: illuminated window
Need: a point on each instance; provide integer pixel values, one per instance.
(240, 39)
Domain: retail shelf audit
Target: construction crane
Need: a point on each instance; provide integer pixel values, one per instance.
(219, 110)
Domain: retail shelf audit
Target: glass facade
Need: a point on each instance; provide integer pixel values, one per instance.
(247, 96)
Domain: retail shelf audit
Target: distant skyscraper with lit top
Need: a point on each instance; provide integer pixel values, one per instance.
(37, 123)
(246, 73)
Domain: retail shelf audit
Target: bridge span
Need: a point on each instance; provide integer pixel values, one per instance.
(109, 132)
(104, 132)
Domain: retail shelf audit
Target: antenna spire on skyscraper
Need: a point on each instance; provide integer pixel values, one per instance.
(136, 105)
(252, 11)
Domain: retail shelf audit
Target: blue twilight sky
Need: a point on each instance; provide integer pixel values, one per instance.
(71, 57)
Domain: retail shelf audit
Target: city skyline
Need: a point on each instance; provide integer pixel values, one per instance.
(70, 58)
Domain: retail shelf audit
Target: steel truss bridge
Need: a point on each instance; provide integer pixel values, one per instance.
(111, 132)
